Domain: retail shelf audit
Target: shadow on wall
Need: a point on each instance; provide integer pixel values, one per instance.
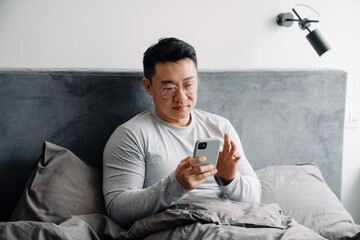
(352, 204)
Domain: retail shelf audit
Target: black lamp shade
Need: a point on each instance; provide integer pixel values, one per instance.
(318, 42)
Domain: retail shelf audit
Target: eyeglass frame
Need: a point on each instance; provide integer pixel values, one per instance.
(177, 89)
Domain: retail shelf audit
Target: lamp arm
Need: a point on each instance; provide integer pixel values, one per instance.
(297, 14)
(313, 21)
(304, 20)
(287, 19)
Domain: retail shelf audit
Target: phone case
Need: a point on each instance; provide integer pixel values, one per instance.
(211, 152)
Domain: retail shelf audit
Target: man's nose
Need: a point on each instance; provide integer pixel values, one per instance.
(180, 94)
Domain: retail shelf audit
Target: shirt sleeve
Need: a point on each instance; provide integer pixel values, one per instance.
(245, 187)
(123, 180)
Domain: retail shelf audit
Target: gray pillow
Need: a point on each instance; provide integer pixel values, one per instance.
(303, 194)
(61, 185)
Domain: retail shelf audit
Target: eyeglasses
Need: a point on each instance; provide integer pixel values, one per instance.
(169, 91)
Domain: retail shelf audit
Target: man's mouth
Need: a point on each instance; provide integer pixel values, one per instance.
(181, 108)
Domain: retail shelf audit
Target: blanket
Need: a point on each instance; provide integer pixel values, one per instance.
(193, 217)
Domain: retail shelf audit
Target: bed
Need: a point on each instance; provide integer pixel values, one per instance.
(54, 125)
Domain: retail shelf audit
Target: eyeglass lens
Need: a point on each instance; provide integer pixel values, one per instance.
(189, 89)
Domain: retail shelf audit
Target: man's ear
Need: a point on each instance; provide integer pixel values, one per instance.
(147, 85)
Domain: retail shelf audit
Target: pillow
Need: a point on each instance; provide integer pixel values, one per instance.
(303, 194)
(60, 186)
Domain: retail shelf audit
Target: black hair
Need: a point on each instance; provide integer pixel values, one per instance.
(166, 50)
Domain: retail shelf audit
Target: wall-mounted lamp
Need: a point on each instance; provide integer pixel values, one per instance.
(315, 38)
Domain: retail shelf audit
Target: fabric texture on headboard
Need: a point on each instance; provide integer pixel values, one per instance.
(282, 116)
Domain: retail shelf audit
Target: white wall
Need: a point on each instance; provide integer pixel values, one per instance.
(228, 34)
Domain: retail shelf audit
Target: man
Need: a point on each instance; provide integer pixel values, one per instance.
(147, 162)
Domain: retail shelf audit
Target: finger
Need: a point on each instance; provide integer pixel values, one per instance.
(233, 148)
(226, 146)
(205, 175)
(203, 168)
(194, 161)
(186, 161)
(237, 157)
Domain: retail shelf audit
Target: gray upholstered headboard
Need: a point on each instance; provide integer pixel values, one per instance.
(282, 117)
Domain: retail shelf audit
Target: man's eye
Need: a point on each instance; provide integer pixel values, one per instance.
(189, 86)
(168, 88)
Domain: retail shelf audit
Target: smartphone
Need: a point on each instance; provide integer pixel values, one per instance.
(208, 147)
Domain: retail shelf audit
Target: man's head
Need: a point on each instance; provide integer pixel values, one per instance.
(171, 78)
(166, 50)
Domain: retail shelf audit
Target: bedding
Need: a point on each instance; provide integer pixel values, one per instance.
(191, 218)
(61, 185)
(71, 207)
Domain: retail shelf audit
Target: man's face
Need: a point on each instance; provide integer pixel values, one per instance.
(176, 109)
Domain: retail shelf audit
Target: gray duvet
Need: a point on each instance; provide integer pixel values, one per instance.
(191, 218)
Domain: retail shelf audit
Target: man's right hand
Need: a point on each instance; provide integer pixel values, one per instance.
(191, 177)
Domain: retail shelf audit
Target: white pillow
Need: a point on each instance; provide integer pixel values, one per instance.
(303, 194)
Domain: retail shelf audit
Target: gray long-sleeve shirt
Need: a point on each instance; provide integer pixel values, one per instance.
(141, 157)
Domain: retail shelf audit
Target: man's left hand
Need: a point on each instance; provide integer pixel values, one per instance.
(227, 161)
